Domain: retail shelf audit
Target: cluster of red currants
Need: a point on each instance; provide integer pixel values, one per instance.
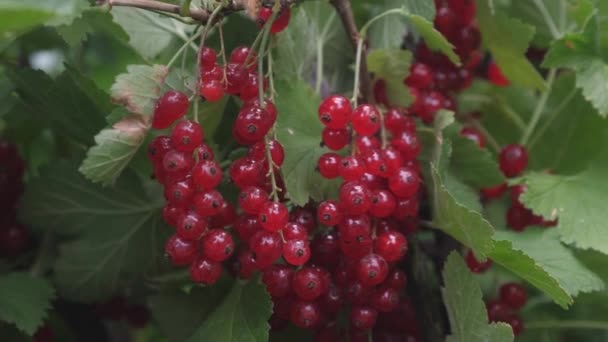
(512, 297)
(14, 237)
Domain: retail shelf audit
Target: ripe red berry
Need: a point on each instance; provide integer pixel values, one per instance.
(158, 147)
(516, 323)
(308, 283)
(207, 175)
(476, 266)
(277, 279)
(495, 75)
(294, 231)
(513, 159)
(329, 213)
(170, 107)
(396, 279)
(177, 163)
(180, 251)
(239, 54)
(267, 247)
(406, 208)
(404, 183)
(212, 90)
(363, 317)
(519, 217)
(366, 120)
(407, 143)
(329, 165)
(251, 199)
(392, 246)
(186, 136)
(355, 197)
(235, 76)
(250, 87)
(190, 226)
(171, 213)
(372, 270)
(325, 250)
(217, 245)
(421, 76)
(335, 139)
(351, 168)
(305, 315)
(207, 57)
(396, 121)
(494, 192)
(497, 311)
(279, 23)
(431, 102)
(514, 295)
(385, 299)
(273, 216)
(446, 20)
(245, 172)
(204, 152)
(335, 112)
(180, 193)
(252, 123)
(474, 135)
(205, 271)
(296, 252)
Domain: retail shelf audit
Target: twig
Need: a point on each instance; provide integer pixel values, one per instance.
(540, 107)
(345, 12)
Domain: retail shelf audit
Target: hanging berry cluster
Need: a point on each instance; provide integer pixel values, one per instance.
(512, 297)
(14, 237)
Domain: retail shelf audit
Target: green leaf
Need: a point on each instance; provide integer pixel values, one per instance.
(241, 317)
(538, 257)
(508, 39)
(585, 53)
(577, 202)
(433, 39)
(449, 213)
(71, 104)
(93, 20)
(298, 130)
(114, 149)
(314, 41)
(118, 230)
(25, 300)
(20, 15)
(149, 33)
(466, 309)
(423, 8)
(390, 32)
(139, 88)
(392, 65)
(179, 314)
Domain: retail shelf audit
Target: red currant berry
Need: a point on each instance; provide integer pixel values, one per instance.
(180, 193)
(158, 147)
(267, 247)
(497, 311)
(304, 217)
(171, 214)
(207, 175)
(335, 112)
(170, 107)
(383, 203)
(305, 315)
(431, 102)
(446, 20)
(251, 199)
(474, 135)
(250, 88)
(177, 163)
(296, 252)
(407, 143)
(252, 123)
(186, 136)
(245, 226)
(421, 76)
(519, 217)
(212, 90)
(214, 73)
(329, 213)
(404, 183)
(380, 92)
(329, 165)
(206, 272)
(240, 53)
(385, 299)
(396, 122)
(204, 152)
(208, 203)
(217, 245)
(207, 57)
(406, 208)
(335, 139)
(372, 270)
(245, 172)
(516, 323)
(392, 246)
(514, 295)
(280, 22)
(273, 216)
(355, 197)
(180, 251)
(396, 279)
(476, 266)
(495, 75)
(191, 226)
(351, 168)
(366, 120)
(392, 159)
(513, 159)
(363, 317)
(325, 250)
(235, 76)
(294, 231)
(308, 284)
(493, 192)
(277, 279)
(226, 216)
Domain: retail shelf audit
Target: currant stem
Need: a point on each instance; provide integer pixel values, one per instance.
(223, 49)
(552, 115)
(540, 106)
(359, 51)
(184, 46)
(369, 23)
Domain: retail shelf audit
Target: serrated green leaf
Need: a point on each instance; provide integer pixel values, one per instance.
(423, 8)
(119, 232)
(25, 300)
(314, 35)
(93, 20)
(508, 39)
(433, 38)
(139, 88)
(114, 149)
(242, 316)
(179, 314)
(149, 33)
(20, 15)
(71, 104)
(466, 309)
(392, 65)
(299, 131)
(577, 202)
(390, 32)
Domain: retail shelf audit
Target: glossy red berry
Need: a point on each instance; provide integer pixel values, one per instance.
(372, 269)
(446, 20)
(250, 87)
(395, 121)
(170, 107)
(207, 57)
(294, 231)
(180, 193)
(186, 136)
(475, 265)
(335, 112)
(205, 271)
(498, 311)
(273, 216)
(514, 295)
(329, 213)
(519, 217)
(421, 76)
(245, 172)
(335, 139)
(204, 152)
(404, 183)
(325, 250)
(191, 226)
(352, 168)
(355, 197)
(363, 317)
(158, 147)
(308, 283)
(305, 315)
(385, 299)
(218, 245)
(171, 214)
(407, 143)
(235, 76)
(207, 175)
(396, 279)
(245, 226)
(392, 246)
(516, 323)
(251, 199)
(296, 252)
(392, 159)
(431, 102)
(252, 123)
(383, 203)
(495, 75)
(279, 23)
(406, 208)
(180, 251)
(176, 162)
(240, 53)
(329, 165)
(212, 90)
(513, 160)
(277, 279)
(366, 120)
(267, 247)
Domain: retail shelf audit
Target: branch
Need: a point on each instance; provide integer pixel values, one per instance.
(345, 12)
